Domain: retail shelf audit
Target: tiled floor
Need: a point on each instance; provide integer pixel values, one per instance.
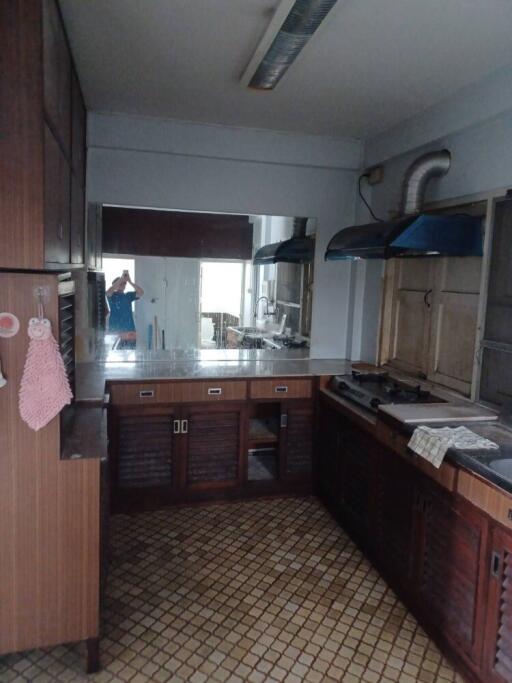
(249, 591)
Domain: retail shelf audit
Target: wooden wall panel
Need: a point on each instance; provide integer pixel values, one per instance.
(49, 508)
(147, 232)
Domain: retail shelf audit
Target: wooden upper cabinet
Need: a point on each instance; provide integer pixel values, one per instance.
(410, 324)
(41, 210)
(57, 74)
(78, 127)
(57, 201)
(454, 322)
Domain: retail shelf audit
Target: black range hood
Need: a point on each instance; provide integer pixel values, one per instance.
(417, 235)
(414, 233)
(298, 249)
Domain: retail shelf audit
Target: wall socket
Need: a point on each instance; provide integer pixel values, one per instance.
(375, 174)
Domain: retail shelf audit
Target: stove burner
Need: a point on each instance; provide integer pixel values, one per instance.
(362, 377)
(406, 394)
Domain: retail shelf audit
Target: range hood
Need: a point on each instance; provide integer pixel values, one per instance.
(415, 233)
(298, 249)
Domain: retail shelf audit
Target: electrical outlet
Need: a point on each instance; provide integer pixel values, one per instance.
(375, 175)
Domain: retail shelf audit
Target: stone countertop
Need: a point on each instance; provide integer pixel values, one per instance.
(493, 465)
(91, 377)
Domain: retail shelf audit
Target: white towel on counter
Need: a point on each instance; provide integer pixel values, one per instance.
(432, 444)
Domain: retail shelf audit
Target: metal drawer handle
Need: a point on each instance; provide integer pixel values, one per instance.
(214, 391)
(284, 420)
(175, 426)
(184, 426)
(281, 389)
(147, 393)
(495, 564)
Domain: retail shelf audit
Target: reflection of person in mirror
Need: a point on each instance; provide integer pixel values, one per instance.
(120, 320)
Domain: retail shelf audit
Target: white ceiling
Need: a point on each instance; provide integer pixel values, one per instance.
(372, 64)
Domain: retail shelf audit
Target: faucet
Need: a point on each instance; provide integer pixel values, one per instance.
(256, 306)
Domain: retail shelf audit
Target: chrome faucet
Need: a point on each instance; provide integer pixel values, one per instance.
(256, 306)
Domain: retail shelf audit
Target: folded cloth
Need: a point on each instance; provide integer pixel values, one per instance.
(432, 444)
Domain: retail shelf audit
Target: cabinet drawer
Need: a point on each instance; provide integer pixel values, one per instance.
(281, 388)
(177, 392)
(497, 504)
(200, 392)
(132, 394)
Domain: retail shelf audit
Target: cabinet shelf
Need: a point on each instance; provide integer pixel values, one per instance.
(263, 430)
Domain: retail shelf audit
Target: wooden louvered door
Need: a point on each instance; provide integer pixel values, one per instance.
(144, 457)
(329, 435)
(298, 446)
(213, 436)
(396, 518)
(358, 464)
(454, 540)
(498, 637)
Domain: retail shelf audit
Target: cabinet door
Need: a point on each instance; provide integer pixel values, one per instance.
(78, 118)
(143, 458)
(498, 636)
(299, 440)
(452, 557)
(213, 446)
(77, 220)
(410, 317)
(56, 201)
(396, 518)
(57, 74)
(328, 461)
(358, 472)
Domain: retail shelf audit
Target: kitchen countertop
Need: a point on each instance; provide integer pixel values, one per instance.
(493, 465)
(226, 364)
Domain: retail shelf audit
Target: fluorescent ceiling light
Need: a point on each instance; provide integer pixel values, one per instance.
(293, 24)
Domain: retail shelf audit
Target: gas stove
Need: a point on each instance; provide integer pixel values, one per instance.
(372, 389)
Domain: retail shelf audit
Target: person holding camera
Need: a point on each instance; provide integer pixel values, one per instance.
(120, 319)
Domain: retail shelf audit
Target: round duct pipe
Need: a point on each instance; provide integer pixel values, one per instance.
(418, 175)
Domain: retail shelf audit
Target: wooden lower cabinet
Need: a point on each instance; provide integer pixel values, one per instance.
(396, 519)
(213, 449)
(498, 636)
(452, 568)
(446, 558)
(297, 430)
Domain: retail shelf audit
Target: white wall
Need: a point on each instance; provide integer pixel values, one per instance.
(481, 149)
(164, 164)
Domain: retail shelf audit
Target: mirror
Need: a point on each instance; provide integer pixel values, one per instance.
(181, 284)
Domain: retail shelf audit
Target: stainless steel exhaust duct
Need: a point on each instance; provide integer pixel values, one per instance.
(302, 21)
(418, 175)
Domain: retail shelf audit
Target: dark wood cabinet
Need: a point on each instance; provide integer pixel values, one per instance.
(396, 522)
(430, 543)
(42, 141)
(212, 445)
(452, 562)
(56, 75)
(297, 421)
(498, 636)
(56, 201)
(94, 258)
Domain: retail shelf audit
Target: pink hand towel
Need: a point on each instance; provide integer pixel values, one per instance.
(44, 388)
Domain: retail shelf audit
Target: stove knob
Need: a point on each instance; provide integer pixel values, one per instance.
(375, 402)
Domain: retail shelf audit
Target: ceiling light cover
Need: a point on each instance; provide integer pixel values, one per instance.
(302, 21)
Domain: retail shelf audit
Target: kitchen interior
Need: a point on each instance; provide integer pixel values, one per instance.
(255, 338)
